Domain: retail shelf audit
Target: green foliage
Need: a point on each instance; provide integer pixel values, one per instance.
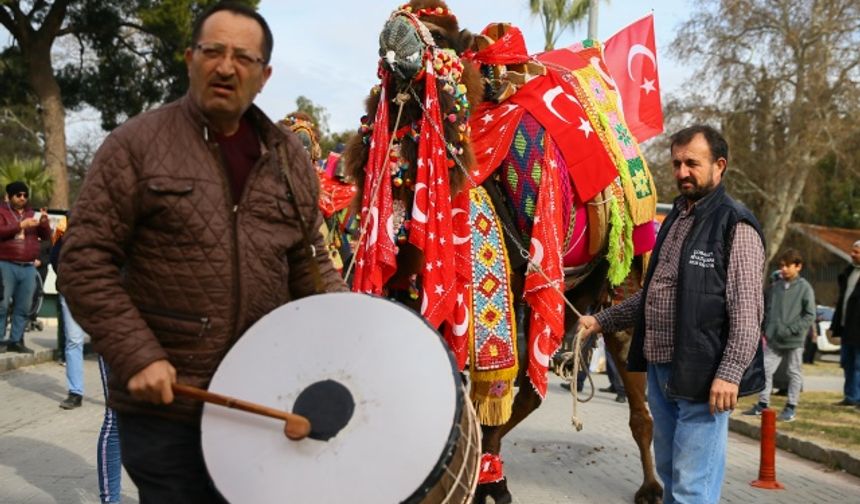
(832, 196)
(557, 16)
(334, 141)
(31, 172)
(138, 48)
(328, 141)
(13, 75)
(317, 112)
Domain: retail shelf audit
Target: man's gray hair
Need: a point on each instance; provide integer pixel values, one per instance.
(856, 244)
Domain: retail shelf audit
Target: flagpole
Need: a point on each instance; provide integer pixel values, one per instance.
(592, 19)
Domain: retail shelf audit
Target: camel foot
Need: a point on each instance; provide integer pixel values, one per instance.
(498, 491)
(649, 493)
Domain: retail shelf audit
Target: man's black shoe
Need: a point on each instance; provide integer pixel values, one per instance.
(620, 398)
(844, 402)
(609, 389)
(19, 348)
(72, 402)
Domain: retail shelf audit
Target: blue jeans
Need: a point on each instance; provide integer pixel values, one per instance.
(74, 350)
(19, 283)
(850, 360)
(689, 443)
(109, 460)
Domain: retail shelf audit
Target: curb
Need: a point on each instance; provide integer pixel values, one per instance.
(15, 361)
(830, 457)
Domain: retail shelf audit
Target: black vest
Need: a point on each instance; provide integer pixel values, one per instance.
(701, 319)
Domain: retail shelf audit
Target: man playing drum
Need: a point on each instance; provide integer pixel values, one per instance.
(195, 220)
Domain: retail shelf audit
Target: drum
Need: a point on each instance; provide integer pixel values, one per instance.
(409, 434)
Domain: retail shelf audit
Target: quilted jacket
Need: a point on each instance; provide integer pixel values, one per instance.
(159, 263)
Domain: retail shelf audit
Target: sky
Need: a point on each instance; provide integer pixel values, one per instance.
(327, 51)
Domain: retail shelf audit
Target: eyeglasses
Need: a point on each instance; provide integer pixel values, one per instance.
(21, 195)
(216, 52)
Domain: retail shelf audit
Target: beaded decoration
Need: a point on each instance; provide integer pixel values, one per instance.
(428, 11)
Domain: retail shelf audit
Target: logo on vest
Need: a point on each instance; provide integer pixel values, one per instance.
(702, 259)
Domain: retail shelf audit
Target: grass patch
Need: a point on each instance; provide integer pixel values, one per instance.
(822, 368)
(817, 419)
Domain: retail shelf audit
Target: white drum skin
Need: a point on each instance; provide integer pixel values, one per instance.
(400, 375)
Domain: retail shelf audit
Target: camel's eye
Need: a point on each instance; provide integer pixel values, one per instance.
(440, 39)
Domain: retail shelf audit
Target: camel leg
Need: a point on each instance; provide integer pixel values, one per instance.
(641, 423)
(525, 402)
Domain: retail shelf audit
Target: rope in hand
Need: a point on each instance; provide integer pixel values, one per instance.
(576, 356)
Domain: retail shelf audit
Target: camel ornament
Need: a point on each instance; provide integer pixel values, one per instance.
(501, 194)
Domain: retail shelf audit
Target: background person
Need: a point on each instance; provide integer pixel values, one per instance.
(20, 232)
(790, 315)
(846, 325)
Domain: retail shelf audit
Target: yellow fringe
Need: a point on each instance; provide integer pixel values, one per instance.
(492, 410)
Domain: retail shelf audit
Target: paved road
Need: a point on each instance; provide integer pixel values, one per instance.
(47, 455)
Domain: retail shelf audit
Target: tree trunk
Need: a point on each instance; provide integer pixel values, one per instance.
(47, 90)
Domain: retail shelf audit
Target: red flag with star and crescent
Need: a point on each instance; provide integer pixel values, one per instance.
(375, 256)
(553, 101)
(431, 230)
(544, 284)
(631, 55)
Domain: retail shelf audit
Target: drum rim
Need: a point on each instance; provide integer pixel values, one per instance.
(454, 436)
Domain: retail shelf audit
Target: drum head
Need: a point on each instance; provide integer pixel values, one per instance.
(402, 380)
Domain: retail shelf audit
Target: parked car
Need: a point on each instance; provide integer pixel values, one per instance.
(823, 340)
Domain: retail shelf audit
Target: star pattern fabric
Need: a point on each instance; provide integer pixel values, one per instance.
(545, 277)
(431, 230)
(375, 256)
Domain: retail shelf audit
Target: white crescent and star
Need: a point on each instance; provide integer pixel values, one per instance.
(550, 96)
(461, 328)
(540, 357)
(389, 227)
(417, 213)
(638, 49)
(459, 240)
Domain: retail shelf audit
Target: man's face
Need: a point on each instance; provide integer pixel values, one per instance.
(855, 254)
(789, 271)
(19, 200)
(696, 173)
(226, 69)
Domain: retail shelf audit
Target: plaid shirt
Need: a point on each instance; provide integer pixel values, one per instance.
(744, 299)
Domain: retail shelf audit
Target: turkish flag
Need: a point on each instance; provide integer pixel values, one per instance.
(554, 102)
(431, 230)
(631, 56)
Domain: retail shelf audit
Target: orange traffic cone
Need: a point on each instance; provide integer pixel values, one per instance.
(767, 464)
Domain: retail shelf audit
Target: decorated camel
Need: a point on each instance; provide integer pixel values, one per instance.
(494, 184)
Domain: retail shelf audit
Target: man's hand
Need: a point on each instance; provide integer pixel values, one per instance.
(29, 223)
(724, 396)
(43, 215)
(154, 383)
(589, 325)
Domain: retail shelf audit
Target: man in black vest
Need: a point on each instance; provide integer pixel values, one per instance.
(846, 325)
(697, 321)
